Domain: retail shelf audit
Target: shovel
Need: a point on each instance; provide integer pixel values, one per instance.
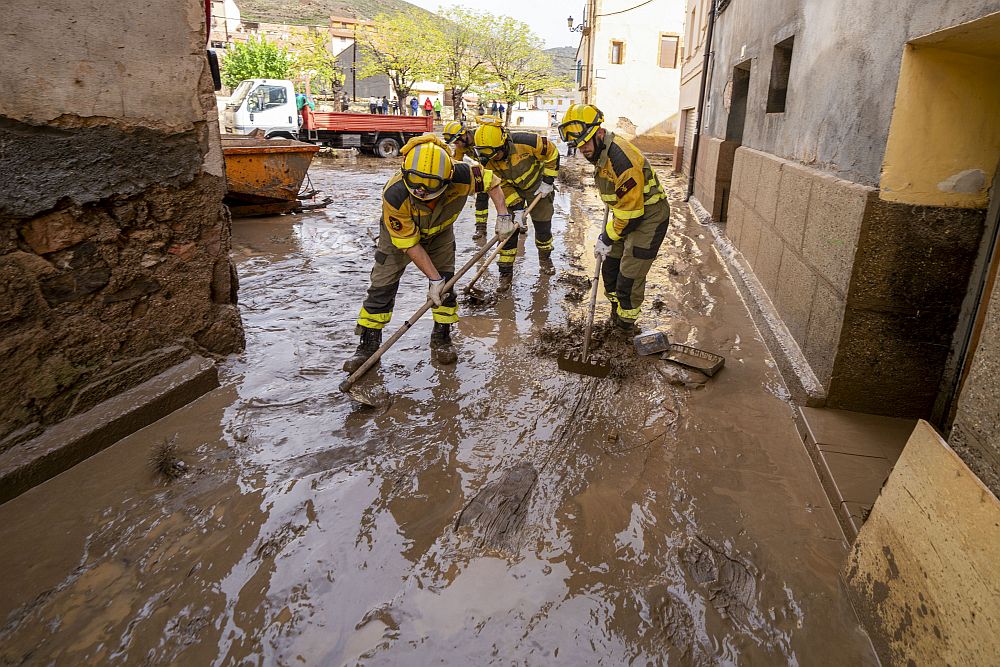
(473, 293)
(583, 365)
(347, 386)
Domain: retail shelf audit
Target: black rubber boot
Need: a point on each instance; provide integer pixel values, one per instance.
(545, 265)
(626, 327)
(371, 340)
(441, 347)
(480, 231)
(506, 280)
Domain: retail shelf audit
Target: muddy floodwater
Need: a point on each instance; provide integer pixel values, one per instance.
(498, 511)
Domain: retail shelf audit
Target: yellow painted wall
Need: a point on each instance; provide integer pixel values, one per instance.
(924, 572)
(946, 121)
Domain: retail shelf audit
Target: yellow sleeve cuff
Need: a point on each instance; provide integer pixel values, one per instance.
(487, 180)
(609, 230)
(406, 242)
(550, 172)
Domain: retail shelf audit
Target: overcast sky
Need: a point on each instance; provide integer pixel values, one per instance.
(547, 19)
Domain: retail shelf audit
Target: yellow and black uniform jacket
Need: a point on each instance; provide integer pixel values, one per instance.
(531, 159)
(482, 200)
(627, 184)
(408, 219)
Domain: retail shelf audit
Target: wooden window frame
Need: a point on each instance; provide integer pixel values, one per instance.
(677, 50)
(621, 52)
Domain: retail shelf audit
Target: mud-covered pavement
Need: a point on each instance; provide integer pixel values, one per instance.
(651, 517)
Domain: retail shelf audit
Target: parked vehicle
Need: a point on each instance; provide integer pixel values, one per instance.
(269, 104)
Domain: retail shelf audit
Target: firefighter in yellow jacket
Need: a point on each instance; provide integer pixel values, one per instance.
(639, 210)
(461, 138)
(528, 165)
(419, 204)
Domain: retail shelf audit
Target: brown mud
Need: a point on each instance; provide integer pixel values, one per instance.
(495, 512)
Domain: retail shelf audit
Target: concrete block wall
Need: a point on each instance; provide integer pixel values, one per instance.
(798, 228)
(713, 173)
(870, 290)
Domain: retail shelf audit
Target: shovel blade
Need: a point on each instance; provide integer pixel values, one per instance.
(572, 364)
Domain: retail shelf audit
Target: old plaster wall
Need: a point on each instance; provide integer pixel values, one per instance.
(637, 96)
(113, 238)
(846, 60)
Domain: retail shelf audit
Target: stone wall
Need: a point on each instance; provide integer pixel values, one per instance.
(713, 172)
(869, 290)
(113, 238)
(798, 228)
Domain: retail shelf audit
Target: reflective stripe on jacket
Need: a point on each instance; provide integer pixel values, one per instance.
(627, 184)
(531, 158)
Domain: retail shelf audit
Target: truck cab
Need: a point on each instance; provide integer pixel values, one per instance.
(268, 104)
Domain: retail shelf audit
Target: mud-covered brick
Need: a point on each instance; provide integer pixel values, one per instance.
(441, 346)
(371, 340)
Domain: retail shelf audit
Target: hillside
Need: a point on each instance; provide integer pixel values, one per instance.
(318, 12)
(563, 61)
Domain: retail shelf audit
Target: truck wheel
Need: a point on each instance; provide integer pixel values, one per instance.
(387, 147)
(280, 135)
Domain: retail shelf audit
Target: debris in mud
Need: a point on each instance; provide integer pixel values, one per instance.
(479, 298)
(372, 396)
(659, 305)
(608, 345)
(165, 462)
(277, 541)
(496, 514)
(731, 584)
(672, 624)
(577, 286)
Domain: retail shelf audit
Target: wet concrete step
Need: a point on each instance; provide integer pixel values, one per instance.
(853, 453)
(75, 439)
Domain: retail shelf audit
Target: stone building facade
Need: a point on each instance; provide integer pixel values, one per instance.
(629, 64)
(865, 215)
(114, 242)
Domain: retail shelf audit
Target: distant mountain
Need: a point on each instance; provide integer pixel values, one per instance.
(318, 12)
(563, 61)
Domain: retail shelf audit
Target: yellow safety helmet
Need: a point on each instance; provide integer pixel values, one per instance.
(427, 167)
(580, 124)
(453, 130)
(491, 140)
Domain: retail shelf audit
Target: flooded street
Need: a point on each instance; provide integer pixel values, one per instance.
(498, 511)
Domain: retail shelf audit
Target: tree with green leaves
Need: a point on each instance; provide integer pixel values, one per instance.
(462, 65)
(312, 58)
(517, 65)
(403, 47)
(257, 58)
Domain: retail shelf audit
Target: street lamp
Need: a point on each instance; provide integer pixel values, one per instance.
(569, 24)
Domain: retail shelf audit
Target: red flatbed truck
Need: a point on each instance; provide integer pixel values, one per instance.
(269, 104)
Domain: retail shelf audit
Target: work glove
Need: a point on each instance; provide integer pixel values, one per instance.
(521, 220)
(545, 189)
(435, 291)
(602, 247)
(505, 225)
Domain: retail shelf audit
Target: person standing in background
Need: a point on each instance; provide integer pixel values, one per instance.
(413, 106)
(437, 109)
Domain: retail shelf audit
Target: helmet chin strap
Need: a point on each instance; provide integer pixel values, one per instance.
(598, 149)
